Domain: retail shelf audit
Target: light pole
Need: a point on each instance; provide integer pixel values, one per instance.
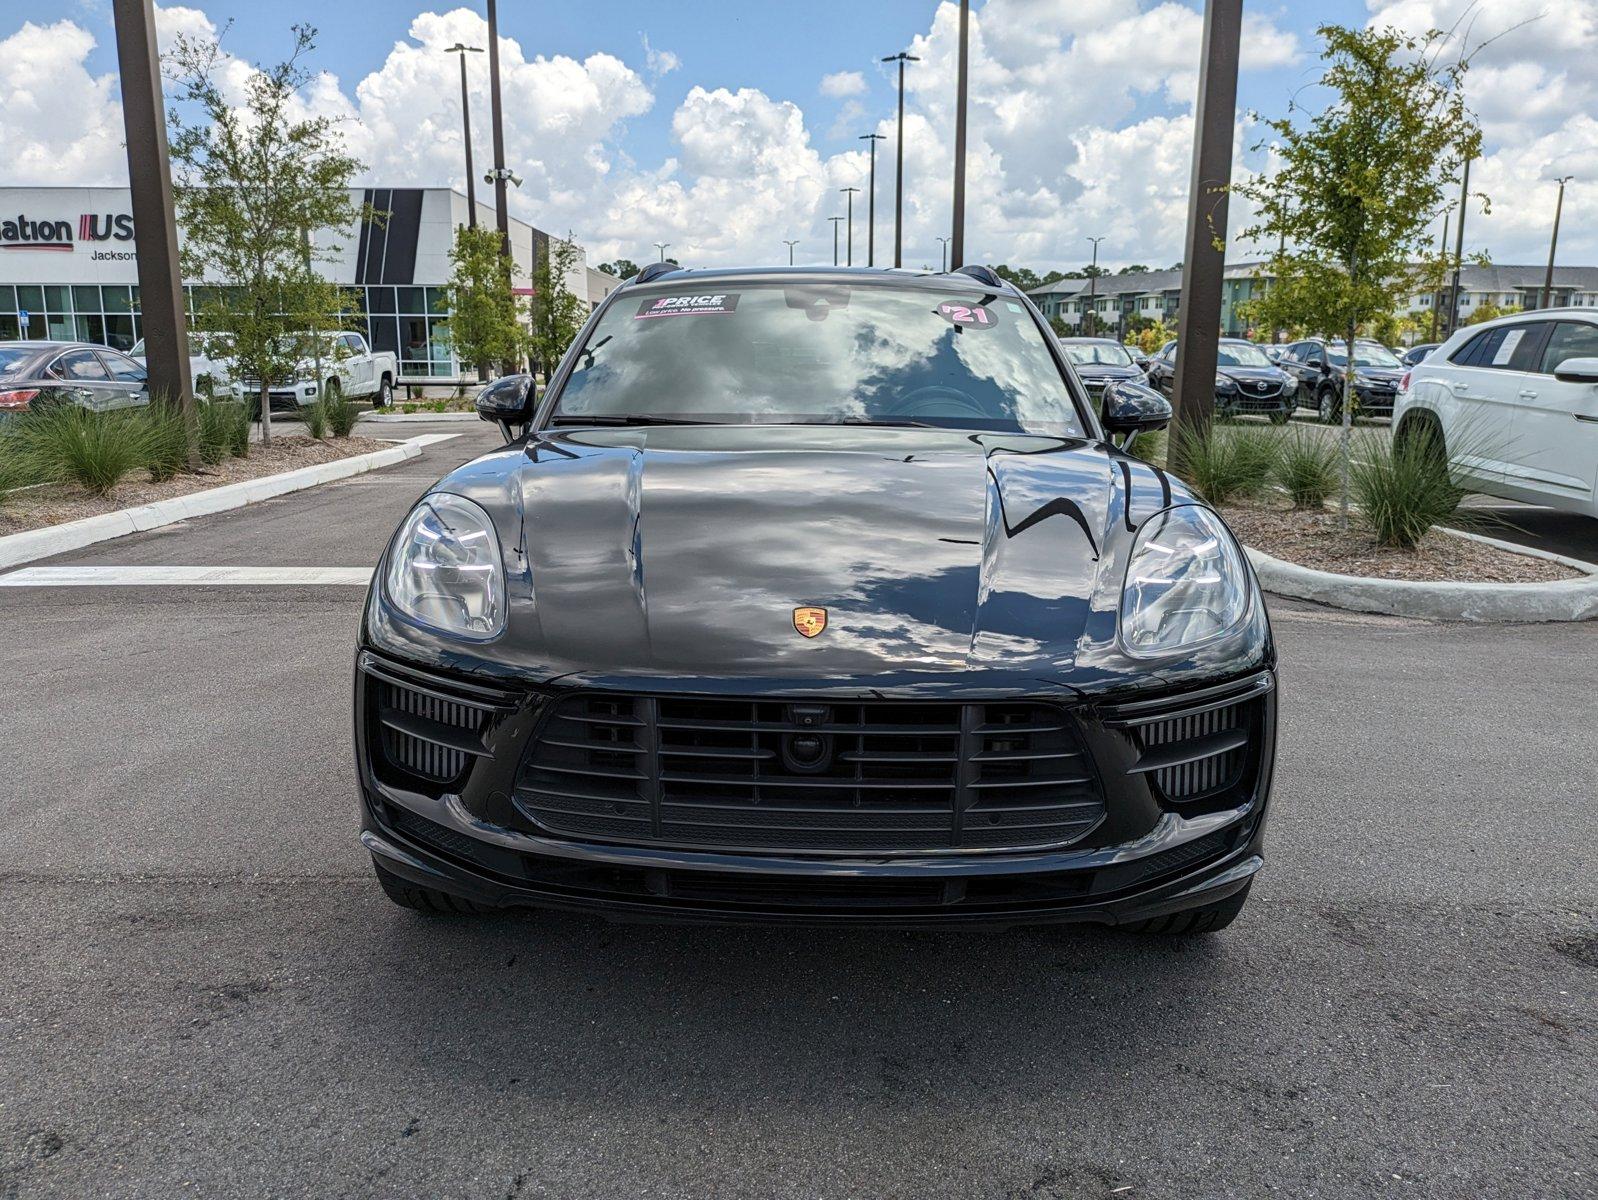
(1553, 244)
(463, 50)
(501, 175)
(898, 176)
(661, 246)
(848, 195)
(871, 201)
(944, 248)
(1459, 249)
(1437, 296)
(835, 221)
(790, 245)
(959, 136)
(1093, 286)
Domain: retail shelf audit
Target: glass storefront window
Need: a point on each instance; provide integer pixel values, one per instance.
(116, 299)
(380, 300)
(8, 298)
(120, 332)
(58, 299)
(86, 299)
(30, 297)
(57, 328)
(412, 300)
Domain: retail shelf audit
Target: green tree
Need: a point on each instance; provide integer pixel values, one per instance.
(1360, 185)
(485, 324)
(1489, 312)
(557, 312)
(252, 181)
(622, 268)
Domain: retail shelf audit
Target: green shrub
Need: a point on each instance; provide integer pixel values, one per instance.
(1223, 464)
(1402, 490)
(341, 414)
(16, 467)
(224, 431)
(166, 441)
(69, 444)
(1151, 447)
(1307, 469)
(315, 418)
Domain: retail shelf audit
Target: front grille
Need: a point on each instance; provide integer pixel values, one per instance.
(1199, 746)
(810, 777)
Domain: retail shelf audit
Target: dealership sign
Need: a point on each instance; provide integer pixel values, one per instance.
(28, 233)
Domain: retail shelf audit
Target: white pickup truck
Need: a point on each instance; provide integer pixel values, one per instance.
(349, 366)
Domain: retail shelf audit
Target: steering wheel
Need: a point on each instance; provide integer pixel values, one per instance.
(936, 400)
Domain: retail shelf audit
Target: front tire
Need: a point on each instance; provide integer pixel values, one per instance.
(424, 899)
(1330, 405)
(385, 393)
(1211, 918)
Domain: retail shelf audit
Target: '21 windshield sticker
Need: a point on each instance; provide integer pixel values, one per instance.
(709, 304)
(969, 316)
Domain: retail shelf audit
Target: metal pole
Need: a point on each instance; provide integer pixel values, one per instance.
(790, 246)
(501, 212)
(834, 221)
(958, 259)
(898, 178)
(848, 195)
(164, 323)
(463, 50)
(1459, 249)
(1093, 287)
(871, 201)
(1204, 257)
(1553, 245)
(1437, 296)
(661, 246)
(943, 248)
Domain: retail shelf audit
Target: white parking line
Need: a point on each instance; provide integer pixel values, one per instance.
(162, 576)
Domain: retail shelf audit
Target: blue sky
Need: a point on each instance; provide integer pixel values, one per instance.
(707, 122)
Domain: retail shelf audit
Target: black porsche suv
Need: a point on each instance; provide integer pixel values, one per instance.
(817, 596)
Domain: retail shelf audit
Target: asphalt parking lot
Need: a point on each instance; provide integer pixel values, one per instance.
(206, 993)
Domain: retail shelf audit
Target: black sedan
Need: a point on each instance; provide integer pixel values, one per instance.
(1100, 362)
(36, 374)
(1246, 380)
(1321, 368)
(817, 596)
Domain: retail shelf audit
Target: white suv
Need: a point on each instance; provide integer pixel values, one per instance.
(1516, 403)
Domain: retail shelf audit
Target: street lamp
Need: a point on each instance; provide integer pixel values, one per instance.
(945, 251)
(790, 245)
(497, 112)
(898, 177)
(1553, 244)
(463, 50)
(1093, 286)
(835, 221)
(661, 246)
(871, 201)
(848, 194)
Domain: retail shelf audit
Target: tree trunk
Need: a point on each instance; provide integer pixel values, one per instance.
(266, 413)
(1348, 418)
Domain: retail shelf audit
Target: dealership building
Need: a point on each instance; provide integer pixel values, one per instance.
(67, 269)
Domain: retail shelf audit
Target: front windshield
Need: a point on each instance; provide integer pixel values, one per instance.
(13, 360)
(1241, 354)
(829, 353)
(1365, 356)
(1103, 354)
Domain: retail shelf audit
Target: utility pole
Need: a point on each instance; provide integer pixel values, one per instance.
(1553, 244)
(1459, 250)
(898, 178)
(1437, 296)
(662, 246)
(501, 212)
(1093, 285)
(463, 50)
(834, 221)
(943, 248)
(790, 246)
(959, 136)
(871, 201)
(1204, 259)
(848, 197)
(163, 324)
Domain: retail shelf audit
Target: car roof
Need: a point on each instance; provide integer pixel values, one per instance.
(954, 281)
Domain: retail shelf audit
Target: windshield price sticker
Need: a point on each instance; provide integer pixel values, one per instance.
(707, 305)
(970, 316)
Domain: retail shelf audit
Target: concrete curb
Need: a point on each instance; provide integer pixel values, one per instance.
(34, 544)
(400, 418)
(1563, 600)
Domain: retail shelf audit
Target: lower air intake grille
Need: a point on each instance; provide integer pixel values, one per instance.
(1199, 746)
(1202, 776)
(805, 776)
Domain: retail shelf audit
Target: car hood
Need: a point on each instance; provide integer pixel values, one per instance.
(681, 554)
(1100, 371)
(1253, 374)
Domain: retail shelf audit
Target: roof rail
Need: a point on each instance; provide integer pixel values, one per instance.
(981, 274)
(654, 271)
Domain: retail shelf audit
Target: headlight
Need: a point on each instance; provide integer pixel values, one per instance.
(446, 571)
(1186, 583)
(1224, 384)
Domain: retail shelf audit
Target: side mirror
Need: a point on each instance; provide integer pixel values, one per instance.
(1577, 370)
(1131, 409)
(508, 401)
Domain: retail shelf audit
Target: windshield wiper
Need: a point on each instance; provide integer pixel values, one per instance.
(624, 419)
(880, 423)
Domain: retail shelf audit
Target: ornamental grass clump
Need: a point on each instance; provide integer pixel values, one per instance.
(1402, 489)
(166, 441)
(69, 444)
(224, 431)
(1227, 464)
(1306, 469)
(340, 413)
(315, 418)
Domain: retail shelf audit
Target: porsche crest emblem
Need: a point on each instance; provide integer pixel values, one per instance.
(809, 621)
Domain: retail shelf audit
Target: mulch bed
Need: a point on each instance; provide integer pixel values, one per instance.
(1314, 540)
(55, 504)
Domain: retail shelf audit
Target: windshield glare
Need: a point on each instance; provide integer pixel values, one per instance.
(1365, 356)
(1105, 354)
(1241, 354)
(736, 352)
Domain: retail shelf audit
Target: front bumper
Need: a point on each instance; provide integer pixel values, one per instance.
(1145, 860)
